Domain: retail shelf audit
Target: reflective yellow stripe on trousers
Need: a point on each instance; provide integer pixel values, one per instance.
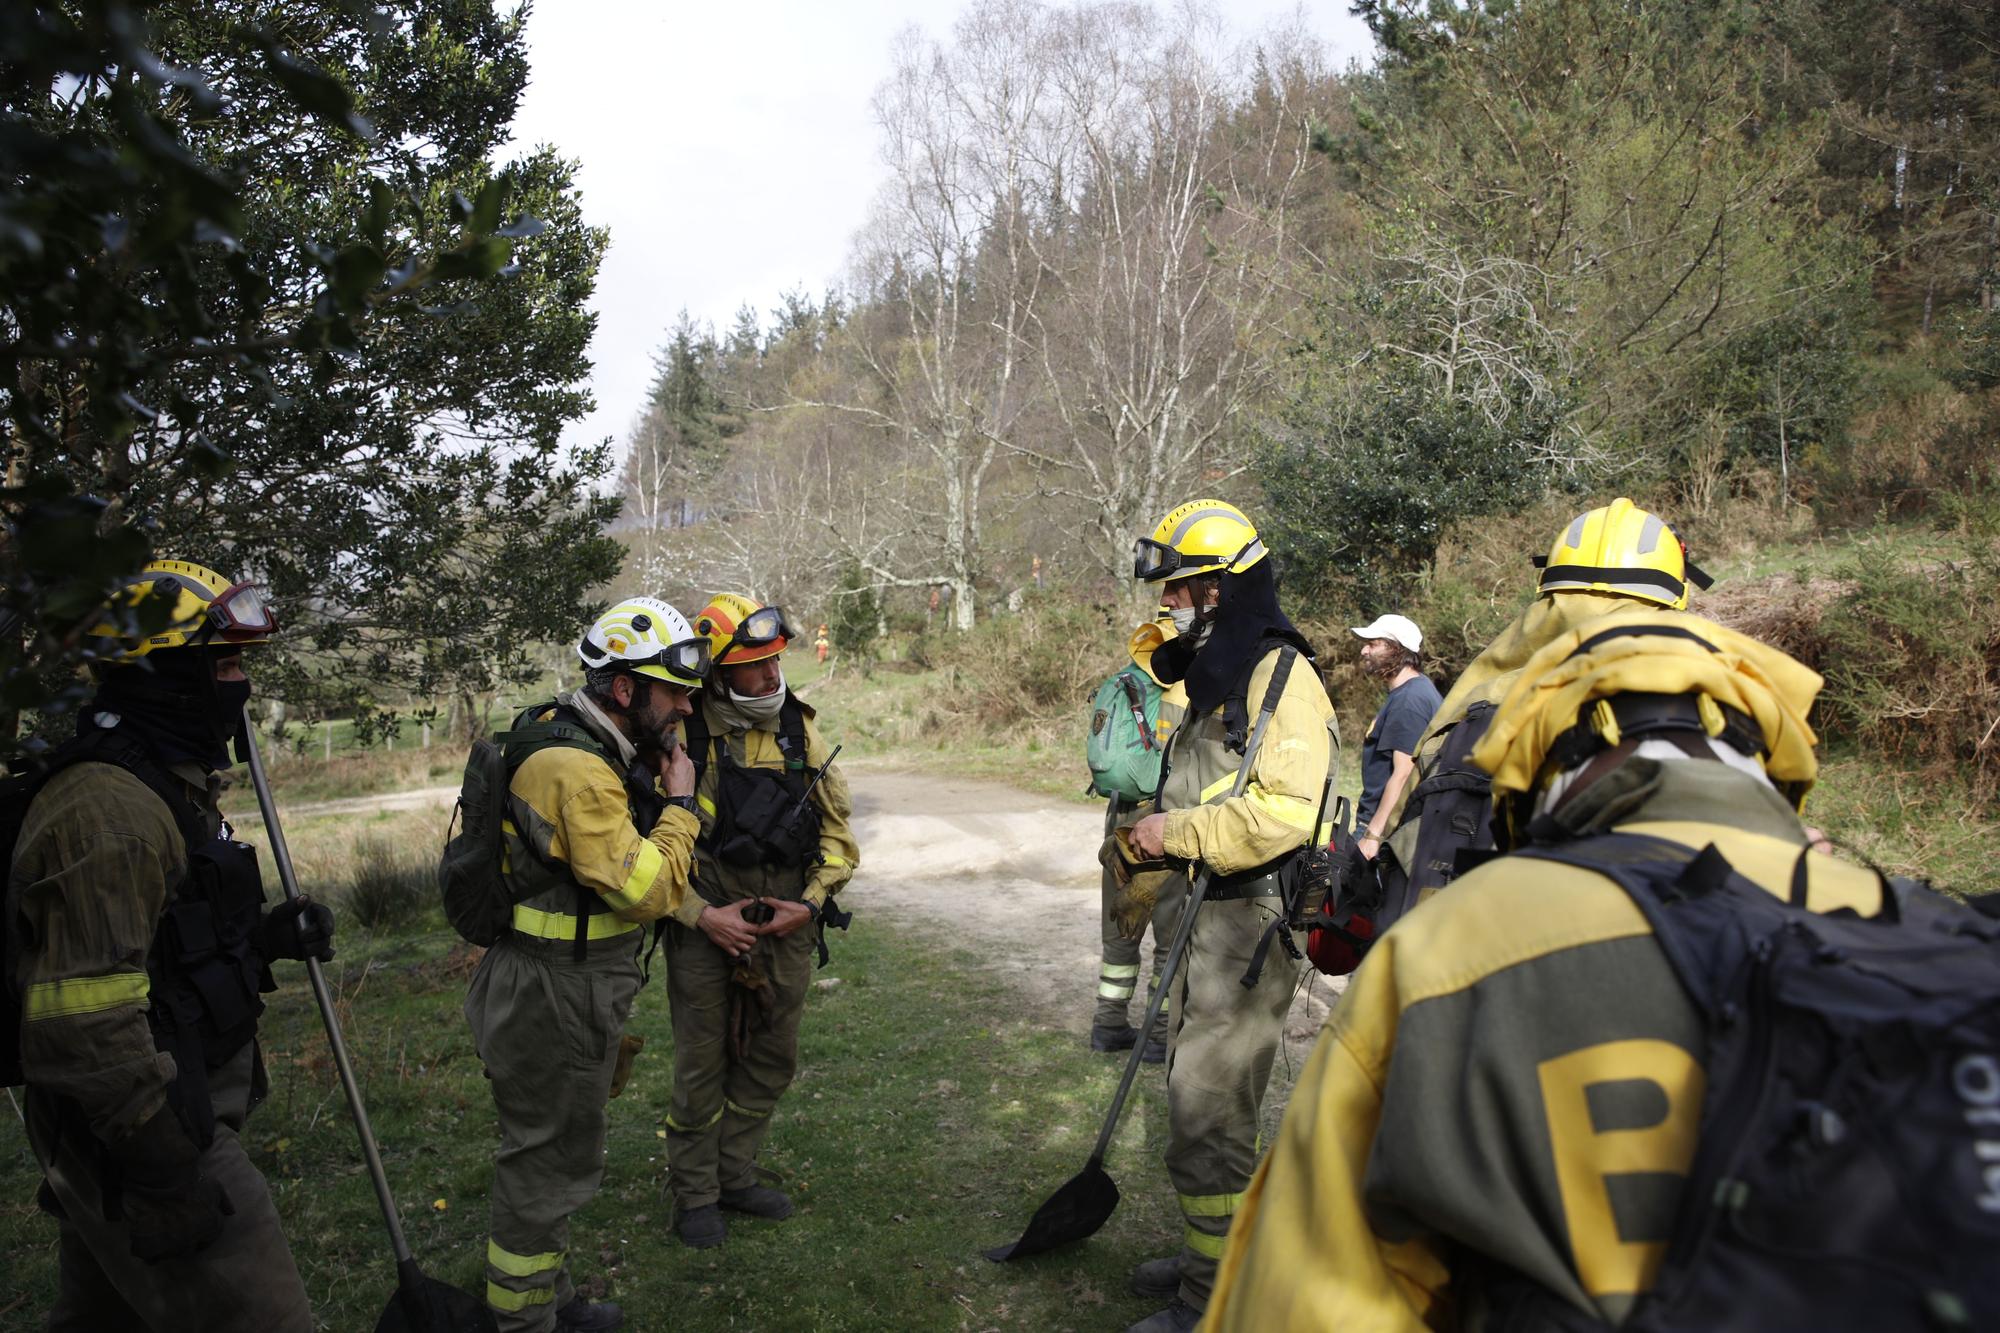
(562, 925)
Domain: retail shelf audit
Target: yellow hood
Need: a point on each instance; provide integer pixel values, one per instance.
(1558, 684)
(1146, 640)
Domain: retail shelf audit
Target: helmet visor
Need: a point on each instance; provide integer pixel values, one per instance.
(765, 625)
(1153, 561)
(240, 612)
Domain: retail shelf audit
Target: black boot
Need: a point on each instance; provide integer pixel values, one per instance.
(1106, 1040)
(582, 1316)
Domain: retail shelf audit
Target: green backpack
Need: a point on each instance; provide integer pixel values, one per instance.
(1123, 750)
(477, 901)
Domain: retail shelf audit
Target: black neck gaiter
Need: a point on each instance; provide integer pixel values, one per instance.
(177, 707)
(1247, 617)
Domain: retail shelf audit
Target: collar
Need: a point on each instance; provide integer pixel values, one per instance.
(1701, 791)
(600, 725)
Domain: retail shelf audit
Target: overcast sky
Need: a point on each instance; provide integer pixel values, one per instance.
(731, 149)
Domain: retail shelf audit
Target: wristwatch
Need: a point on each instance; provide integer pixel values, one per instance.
(684, 802)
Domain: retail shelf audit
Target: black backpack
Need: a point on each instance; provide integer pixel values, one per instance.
(1455, 805)
(477, 899)
(1847, 1174)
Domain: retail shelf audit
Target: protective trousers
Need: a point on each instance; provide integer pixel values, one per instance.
(244, 1282)
(547, 1029)
(1118, 976)
(722, 1103)
(1218, 1068)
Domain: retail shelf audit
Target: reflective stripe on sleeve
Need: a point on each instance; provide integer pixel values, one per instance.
(645, 869)
(84, 995)
(562, 925)
(1291, 811)
(828, 858)
(521, 1265)
(705, 804)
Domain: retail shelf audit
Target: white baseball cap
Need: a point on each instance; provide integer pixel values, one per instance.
(1400, 628)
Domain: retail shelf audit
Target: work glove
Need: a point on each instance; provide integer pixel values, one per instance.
(171, 1209)
(298, 929)
(1138, 881)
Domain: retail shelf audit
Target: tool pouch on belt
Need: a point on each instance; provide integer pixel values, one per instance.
(629, 1046)
(751, 1002)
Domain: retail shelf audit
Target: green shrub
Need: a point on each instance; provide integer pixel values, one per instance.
(1035, 668)
(388, 885)
(1911, 655)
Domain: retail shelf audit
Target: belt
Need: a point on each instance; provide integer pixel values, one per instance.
(537, 924)
(1264, 886)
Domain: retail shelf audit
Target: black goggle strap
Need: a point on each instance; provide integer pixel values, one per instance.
(688, 659)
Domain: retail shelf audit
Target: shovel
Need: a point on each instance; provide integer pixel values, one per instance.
(420, 1304)
(1087, 1200)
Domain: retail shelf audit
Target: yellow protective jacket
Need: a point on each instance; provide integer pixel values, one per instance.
(757, 747)
(570, 806)
(1447, 1111)
(1275, 813)
(98, 859)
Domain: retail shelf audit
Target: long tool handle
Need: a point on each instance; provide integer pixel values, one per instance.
(1196, 893)
(275, 835)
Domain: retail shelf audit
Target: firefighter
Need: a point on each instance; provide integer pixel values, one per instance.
(1511, 1085)
(599, 840)
(143, 947)
(1222, 596)
(1122, 923)
(1611, 560)
(776, 845)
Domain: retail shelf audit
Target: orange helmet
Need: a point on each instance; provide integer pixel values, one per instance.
(740, 630)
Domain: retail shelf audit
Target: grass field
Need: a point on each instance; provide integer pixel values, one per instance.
(928, 1121)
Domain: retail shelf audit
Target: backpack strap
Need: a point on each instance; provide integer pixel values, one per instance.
(121, 749)
(1236, 717)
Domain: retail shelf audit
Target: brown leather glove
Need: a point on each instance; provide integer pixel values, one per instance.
(1139, 880)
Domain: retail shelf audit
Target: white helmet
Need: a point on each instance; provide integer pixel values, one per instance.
(647, 637)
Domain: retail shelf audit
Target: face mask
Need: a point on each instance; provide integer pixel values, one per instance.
(1183, 618)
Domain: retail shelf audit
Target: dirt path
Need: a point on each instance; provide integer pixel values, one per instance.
(1010, 875)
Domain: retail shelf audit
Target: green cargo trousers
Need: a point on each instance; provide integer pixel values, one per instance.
(1118, 975)
(244, 1282)
(547, 1029)
(1218, 1068)
(721, 1106)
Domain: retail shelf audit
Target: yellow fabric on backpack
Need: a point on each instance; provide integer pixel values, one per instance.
(1558, 685)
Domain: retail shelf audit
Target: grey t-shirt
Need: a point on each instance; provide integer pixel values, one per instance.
(1405, 714)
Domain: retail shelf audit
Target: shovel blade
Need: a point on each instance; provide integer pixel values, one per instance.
(1073, 1212)
(425, 1305)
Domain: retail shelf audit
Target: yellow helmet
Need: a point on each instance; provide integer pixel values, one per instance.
(1200, 537)
(206, 610)
(739, 629)
(647, 637)
(1621, 549)
(1647, 674)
